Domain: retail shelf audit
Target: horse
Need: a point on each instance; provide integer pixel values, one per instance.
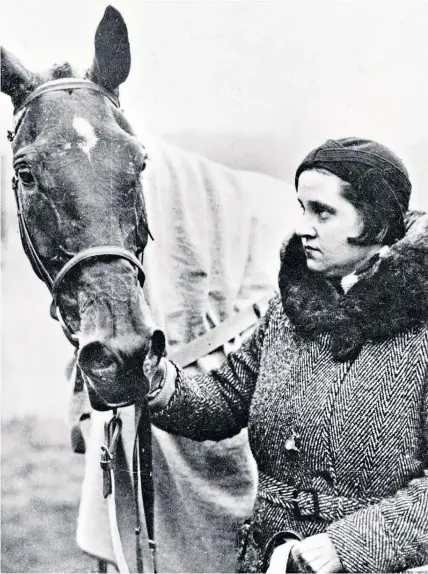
(90, 198)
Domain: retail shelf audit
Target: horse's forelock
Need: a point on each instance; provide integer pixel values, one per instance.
(63, 70)
(59, 71)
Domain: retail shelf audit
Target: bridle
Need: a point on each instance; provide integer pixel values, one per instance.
(142, 455)
(54, 284)
(68, 85)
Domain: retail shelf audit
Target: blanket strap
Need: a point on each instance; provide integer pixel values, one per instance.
(220, 335)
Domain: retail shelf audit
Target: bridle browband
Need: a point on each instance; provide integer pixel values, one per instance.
(68, 85)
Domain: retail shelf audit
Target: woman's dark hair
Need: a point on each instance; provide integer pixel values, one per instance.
(382, 214)
(375, 182)
(374, 199)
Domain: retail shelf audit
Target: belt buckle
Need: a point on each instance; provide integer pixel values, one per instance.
(298, 514)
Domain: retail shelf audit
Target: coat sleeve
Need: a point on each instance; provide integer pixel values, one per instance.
(390, 536)
(216, 406)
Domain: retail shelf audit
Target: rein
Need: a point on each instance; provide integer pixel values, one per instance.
(142, 454)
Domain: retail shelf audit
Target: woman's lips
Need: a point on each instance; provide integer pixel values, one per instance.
(311, 251)
(310, 248)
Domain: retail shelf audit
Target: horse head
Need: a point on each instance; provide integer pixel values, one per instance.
(81, 208)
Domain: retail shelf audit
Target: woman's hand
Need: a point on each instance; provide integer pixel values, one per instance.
(316, 554)
(280, 557)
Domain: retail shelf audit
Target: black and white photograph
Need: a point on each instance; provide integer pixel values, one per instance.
(214, 286)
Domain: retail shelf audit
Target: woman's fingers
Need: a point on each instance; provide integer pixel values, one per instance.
(279, 559)
(317, 554)
(150, 363)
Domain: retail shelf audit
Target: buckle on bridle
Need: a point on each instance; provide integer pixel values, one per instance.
(112, 430)
(298, 514)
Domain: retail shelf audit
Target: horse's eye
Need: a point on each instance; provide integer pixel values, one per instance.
(26, 177)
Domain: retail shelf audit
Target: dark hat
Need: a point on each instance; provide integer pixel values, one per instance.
(351, 159)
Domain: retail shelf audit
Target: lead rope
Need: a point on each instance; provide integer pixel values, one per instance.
(142, 463)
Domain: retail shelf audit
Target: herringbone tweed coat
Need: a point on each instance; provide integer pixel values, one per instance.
(333, 389)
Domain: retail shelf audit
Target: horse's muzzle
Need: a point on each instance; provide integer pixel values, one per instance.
(115, 374)
(99, 361)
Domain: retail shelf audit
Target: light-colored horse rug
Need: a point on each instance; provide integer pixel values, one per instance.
(217, 234)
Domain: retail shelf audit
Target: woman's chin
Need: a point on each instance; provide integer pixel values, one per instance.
(315, 266)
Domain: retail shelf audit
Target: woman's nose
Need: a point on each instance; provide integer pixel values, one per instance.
(305, 226)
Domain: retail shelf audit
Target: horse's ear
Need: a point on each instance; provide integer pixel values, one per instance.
(16, 81)
(112, 60)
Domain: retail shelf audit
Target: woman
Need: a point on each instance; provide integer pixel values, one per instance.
(333, 383)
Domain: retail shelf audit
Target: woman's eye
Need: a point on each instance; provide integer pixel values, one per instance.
(323, 213)
(26, 177)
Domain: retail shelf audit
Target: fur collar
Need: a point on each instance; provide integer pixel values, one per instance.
(391, 298)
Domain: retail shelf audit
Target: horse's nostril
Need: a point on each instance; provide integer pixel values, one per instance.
(97, 360)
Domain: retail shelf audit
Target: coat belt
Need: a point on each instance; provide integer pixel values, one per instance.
(308, 503)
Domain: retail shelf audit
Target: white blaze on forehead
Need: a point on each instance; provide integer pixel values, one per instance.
(87, 133)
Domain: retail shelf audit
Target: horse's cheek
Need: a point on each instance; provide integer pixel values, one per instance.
(45, 245)
(43, 222)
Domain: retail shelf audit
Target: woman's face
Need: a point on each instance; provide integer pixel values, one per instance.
(328, 220)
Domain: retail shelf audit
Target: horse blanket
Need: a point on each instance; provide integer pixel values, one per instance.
(217, 234)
